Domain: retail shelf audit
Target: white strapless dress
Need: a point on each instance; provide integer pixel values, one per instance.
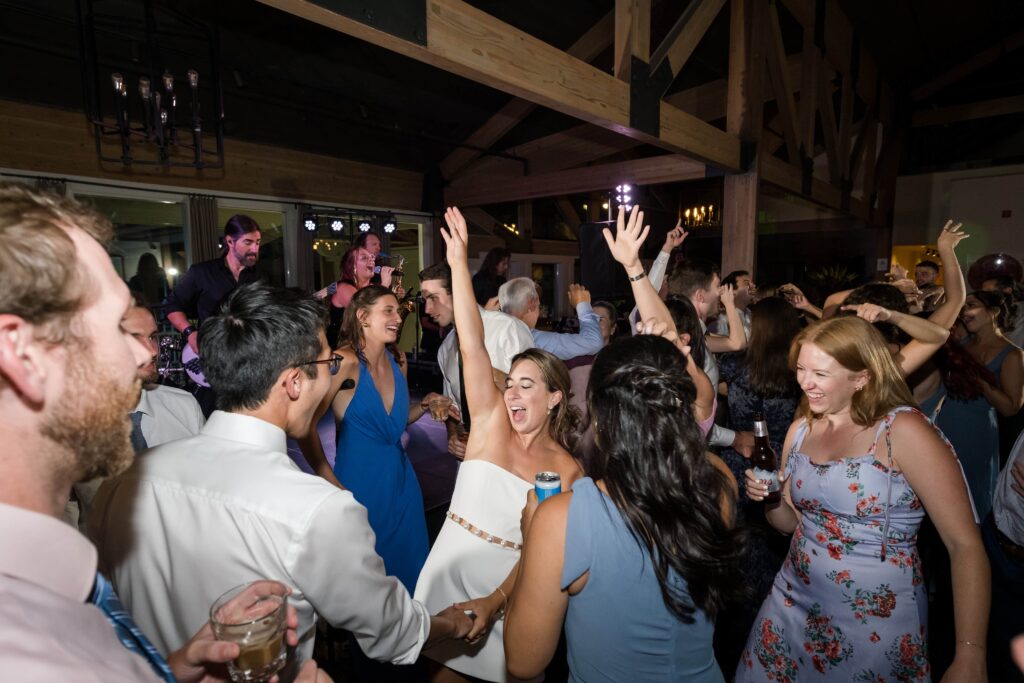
(464, 564)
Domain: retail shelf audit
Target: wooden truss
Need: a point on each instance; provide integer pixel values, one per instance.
(830, 136)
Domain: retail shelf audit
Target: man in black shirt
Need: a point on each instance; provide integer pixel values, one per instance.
(200, 292)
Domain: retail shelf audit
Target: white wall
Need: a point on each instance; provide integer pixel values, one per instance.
(977, 197)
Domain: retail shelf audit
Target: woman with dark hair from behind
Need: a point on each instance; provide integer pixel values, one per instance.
(149, 279)
(759, 381)
(491, 275)
(690, 334)
(640, 559)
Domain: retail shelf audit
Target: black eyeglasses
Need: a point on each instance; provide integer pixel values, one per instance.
(334, 363)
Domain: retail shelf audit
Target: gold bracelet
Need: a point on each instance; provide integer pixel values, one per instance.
(967, 642)
(505, 597)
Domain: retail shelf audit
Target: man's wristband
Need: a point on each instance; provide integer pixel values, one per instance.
(639, 276)
(187, 332)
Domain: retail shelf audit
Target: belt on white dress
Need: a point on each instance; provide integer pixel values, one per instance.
(476, 531)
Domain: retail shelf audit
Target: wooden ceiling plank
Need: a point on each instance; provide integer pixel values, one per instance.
(686, 34)
(828, 122)
(809, 59)
(779, 76)
(588, 47)
(968, 67)
(652, 170)
(632, 35)
(845, 125)
(470, 43)
(968, 112)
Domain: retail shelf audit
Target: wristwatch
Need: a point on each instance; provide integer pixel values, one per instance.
(187, 332)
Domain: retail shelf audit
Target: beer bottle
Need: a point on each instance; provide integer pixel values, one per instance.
(765, 464)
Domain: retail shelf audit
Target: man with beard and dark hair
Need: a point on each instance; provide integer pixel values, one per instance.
(163, 413)
(68, 379)
(204, 287)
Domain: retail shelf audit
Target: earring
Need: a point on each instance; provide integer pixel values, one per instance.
(366, 324)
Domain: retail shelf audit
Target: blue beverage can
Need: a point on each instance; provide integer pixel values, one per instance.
(547, 484)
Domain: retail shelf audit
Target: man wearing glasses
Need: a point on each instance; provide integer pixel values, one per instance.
(198, 516)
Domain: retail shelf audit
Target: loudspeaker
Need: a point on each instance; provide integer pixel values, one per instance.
(601, 274)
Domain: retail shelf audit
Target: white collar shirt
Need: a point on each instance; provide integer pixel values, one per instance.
(168, 413)
(504, 337)
(195, 517)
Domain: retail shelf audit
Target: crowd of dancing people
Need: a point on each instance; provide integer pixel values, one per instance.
(667, 556)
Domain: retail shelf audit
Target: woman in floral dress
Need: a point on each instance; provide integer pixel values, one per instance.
(859, 470)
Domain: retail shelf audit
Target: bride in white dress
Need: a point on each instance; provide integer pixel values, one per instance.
(516, 434)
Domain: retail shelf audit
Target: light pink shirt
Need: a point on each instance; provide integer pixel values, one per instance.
(48, 632)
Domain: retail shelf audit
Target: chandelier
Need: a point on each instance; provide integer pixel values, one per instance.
(148, 126)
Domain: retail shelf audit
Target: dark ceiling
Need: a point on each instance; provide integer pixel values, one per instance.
(289, 82)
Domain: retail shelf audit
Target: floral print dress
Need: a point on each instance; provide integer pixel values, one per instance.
(845, 606)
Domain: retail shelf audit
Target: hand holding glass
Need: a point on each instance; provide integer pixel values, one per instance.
(254, 617)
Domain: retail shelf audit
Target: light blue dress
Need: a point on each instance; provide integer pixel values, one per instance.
(973, 429)
(618, 627)
(372, 464)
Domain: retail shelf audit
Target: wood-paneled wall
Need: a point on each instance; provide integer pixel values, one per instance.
(48, 140)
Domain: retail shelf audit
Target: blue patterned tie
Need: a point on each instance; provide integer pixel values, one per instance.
(138, 438)
(104, 597)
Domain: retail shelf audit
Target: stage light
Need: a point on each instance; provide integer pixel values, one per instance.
(364, 226)
(337, 225)
(173, 272)
(310, 224)
(389, 226)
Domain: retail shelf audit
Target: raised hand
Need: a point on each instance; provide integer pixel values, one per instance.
(727, 295)
(951, 235)
(625, 245)
(675, 237)
(870, 312)
(578, 294)
(456, 238)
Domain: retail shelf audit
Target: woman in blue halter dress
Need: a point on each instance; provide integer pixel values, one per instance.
(372, 416)
(860, 470)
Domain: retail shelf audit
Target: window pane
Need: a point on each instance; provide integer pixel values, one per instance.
(148, 250)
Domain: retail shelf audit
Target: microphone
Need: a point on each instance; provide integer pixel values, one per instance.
(376, 268)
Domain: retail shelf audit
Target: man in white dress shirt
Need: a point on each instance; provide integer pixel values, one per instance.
(504, 337)
(197, 516)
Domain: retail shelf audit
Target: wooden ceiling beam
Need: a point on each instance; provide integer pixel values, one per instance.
(667, 168)
(968, 67)
(779, 77)
(475, 45)
(591, 44)
(685, 35)
(632, 35)
(558, 151)
(968, 112)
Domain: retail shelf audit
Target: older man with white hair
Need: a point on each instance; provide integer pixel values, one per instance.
(519, 298)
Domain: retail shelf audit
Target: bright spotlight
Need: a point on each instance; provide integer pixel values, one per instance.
(337, 225)
(364, 226)
(310, 224)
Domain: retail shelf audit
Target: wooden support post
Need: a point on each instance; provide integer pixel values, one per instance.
(632, 35)
(739, 222)
(744, 117)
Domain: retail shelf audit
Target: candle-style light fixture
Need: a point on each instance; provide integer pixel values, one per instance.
(146, 120)
(700, 216)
